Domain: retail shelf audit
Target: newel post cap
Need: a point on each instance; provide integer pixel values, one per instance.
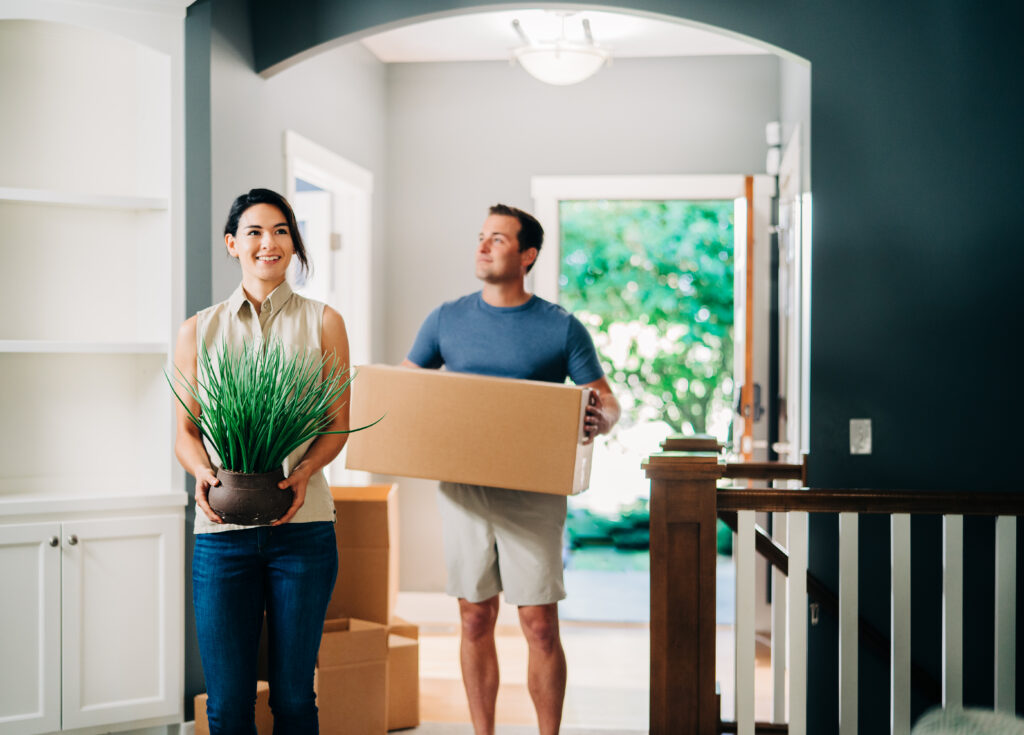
(684, 466)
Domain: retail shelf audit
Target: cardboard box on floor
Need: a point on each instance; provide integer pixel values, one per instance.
(499, 432)
(402, 627)
(264, 719)
(403, 682)
(351, 677)
(367, 538)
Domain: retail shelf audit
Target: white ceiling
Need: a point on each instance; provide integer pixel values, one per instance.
(490, 37)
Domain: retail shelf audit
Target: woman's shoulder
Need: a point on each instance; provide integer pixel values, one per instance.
(187, 330)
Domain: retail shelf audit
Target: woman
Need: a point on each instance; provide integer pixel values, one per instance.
(287, 569)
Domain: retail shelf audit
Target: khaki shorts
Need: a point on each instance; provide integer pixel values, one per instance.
(503, 540)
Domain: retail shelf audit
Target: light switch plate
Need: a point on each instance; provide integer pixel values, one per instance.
(860, 436)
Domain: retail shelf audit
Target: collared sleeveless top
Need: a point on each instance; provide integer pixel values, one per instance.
(296, 322)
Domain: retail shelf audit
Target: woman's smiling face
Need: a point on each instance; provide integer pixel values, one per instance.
(262, 243)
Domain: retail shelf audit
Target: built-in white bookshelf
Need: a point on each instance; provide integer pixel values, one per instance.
(91, 501)
(91, 284)
(92, 504)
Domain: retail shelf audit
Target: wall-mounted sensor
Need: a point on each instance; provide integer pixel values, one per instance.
(860, 436)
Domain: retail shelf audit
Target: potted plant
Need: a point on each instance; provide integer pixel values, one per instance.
(258, 404)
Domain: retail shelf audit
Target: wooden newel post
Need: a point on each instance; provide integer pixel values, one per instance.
(683, 555)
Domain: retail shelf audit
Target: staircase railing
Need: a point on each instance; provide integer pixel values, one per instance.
(686, 503)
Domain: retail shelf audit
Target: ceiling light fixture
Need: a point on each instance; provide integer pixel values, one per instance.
(561, 61)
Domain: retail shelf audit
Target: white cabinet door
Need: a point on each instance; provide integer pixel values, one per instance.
(29, 628)
(122, 618)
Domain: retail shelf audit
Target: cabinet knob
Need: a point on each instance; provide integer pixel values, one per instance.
(72, 540)
(54, 540)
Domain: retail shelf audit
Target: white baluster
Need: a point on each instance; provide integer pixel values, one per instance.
(952, 611)
(1006, 613)
(848, 622)
(797, 637)
(745, 585)
(899, 626)
(779, 618)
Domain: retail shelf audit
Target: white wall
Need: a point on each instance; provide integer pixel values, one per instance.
(462, 136)
(336, 99)
(795, 109)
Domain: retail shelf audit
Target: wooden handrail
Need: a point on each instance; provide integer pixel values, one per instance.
(885, 502)
(708, 446)
(767, 728)
(767, 471)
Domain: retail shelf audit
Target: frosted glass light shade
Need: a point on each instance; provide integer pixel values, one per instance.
(561, 63)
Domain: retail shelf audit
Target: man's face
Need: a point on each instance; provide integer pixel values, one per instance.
(497, 254)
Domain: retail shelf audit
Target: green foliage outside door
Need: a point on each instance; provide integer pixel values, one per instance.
(653, 282)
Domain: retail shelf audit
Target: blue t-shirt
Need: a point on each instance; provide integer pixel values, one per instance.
(537, 340)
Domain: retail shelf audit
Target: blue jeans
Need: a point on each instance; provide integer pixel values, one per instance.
(287, 571)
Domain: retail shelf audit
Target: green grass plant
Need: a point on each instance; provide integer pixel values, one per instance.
(257, 403)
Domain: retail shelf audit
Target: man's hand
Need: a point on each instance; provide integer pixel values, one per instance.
(596, 421)
(602, 410)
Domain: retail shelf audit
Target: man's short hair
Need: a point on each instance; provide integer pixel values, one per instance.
(531, 234)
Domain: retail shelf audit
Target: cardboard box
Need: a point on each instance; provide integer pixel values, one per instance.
(367, 537)
(351, 677)
(403, 682)
(499, 432)
(264, 718)
(399, 626)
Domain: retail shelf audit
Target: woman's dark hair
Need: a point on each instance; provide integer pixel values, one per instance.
(266, 196)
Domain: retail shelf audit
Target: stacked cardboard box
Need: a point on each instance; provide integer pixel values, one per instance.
(366, 592)
(264, 720)
(367, 535)
(403, 675)
(351, 677)
(440, 426)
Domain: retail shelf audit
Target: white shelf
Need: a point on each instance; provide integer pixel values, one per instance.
(57, 347)
(17, 504)
(80, 199)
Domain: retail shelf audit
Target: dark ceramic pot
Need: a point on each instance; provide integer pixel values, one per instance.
(249, 499)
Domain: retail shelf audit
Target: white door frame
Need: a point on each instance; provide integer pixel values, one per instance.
(548, 191)
(795, 235)
(352, 190)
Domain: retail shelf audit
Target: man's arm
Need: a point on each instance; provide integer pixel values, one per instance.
(603, 411)
(409, 363)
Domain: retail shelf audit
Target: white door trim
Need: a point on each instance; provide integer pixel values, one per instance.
(352, 186)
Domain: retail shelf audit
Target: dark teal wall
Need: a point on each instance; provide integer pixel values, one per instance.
(916, 112)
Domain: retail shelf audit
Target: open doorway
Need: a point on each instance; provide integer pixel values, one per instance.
(469, 132)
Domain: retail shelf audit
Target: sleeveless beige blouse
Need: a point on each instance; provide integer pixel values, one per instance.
(296, 322)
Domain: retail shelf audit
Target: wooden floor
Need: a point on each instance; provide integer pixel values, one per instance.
(609, 669)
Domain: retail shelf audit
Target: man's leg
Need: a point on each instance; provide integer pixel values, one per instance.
(546, 668)
(479, 658)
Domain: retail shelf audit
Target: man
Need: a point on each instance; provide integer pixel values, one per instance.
(509, 540)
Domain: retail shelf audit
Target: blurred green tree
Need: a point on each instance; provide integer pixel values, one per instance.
(653, 282)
